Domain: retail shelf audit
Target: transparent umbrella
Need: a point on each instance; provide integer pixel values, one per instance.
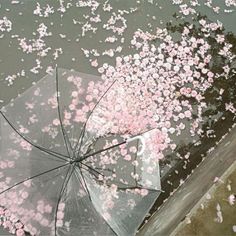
(70, 163)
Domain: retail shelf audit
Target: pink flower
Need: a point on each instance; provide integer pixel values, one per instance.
(34, 231)
(27, 183)
(101, 70)
(23, 130)
(188, 114)
(89, 98)
(25, 145)
(133, 149)
(60, 215)
(85, 109)
(123, 152)
(24, 195)
(3, 165)
(7, 213)
(144, 192)
(74, 94)
(38, 217)
(40, 208)
(94, 63)
(20, 232)
(181, 116)
(75, 102)
(110, 204)
(67, 115)
(59, 223)
(48, 209)
(127, 157)
(61, 206)
(150, 170)
(231, 199)
(44, 222)
(194, 93)
(7, 224)
(11, 164)
(72, 107)
(56, 122)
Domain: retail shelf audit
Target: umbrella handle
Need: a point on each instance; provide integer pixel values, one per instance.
(141, 139)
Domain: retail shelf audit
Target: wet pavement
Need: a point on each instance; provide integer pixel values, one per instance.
(174, 210)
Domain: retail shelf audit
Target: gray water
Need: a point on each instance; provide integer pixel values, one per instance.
(12, 60)
(147, 16)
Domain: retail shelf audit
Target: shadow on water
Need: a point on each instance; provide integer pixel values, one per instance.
(216, 118)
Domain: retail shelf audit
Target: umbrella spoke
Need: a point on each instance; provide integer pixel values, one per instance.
(100, 151)
(64, 184)
(111, 147)
(66, 140)
(91, 173)
(50, 152)
(105, 169)
(32, 177)
(121, 188)
(84, 183)
(138, 187)
(92, 169)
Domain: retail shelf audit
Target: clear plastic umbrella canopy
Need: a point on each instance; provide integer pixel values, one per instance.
(71, 163)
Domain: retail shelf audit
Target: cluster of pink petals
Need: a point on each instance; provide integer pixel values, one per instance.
(191, 6)
(163, 78)
(36, 45)
(60, 214)
(5, 24)
(43, 11)
(111, 24)
(11, 223)
(15, 202)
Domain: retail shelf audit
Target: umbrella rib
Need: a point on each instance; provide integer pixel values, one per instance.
(59, 115)
(80, 139)
(139, 187)
(119, 188)
(66, 180)
(59, 156)
(126, 188)
(104, 169)
(91, 168)
(32, 177)
(100, 151)
(98, 168)
(86, 187)
(106, 149)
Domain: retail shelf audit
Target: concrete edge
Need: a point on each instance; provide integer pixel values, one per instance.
(203, 199)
